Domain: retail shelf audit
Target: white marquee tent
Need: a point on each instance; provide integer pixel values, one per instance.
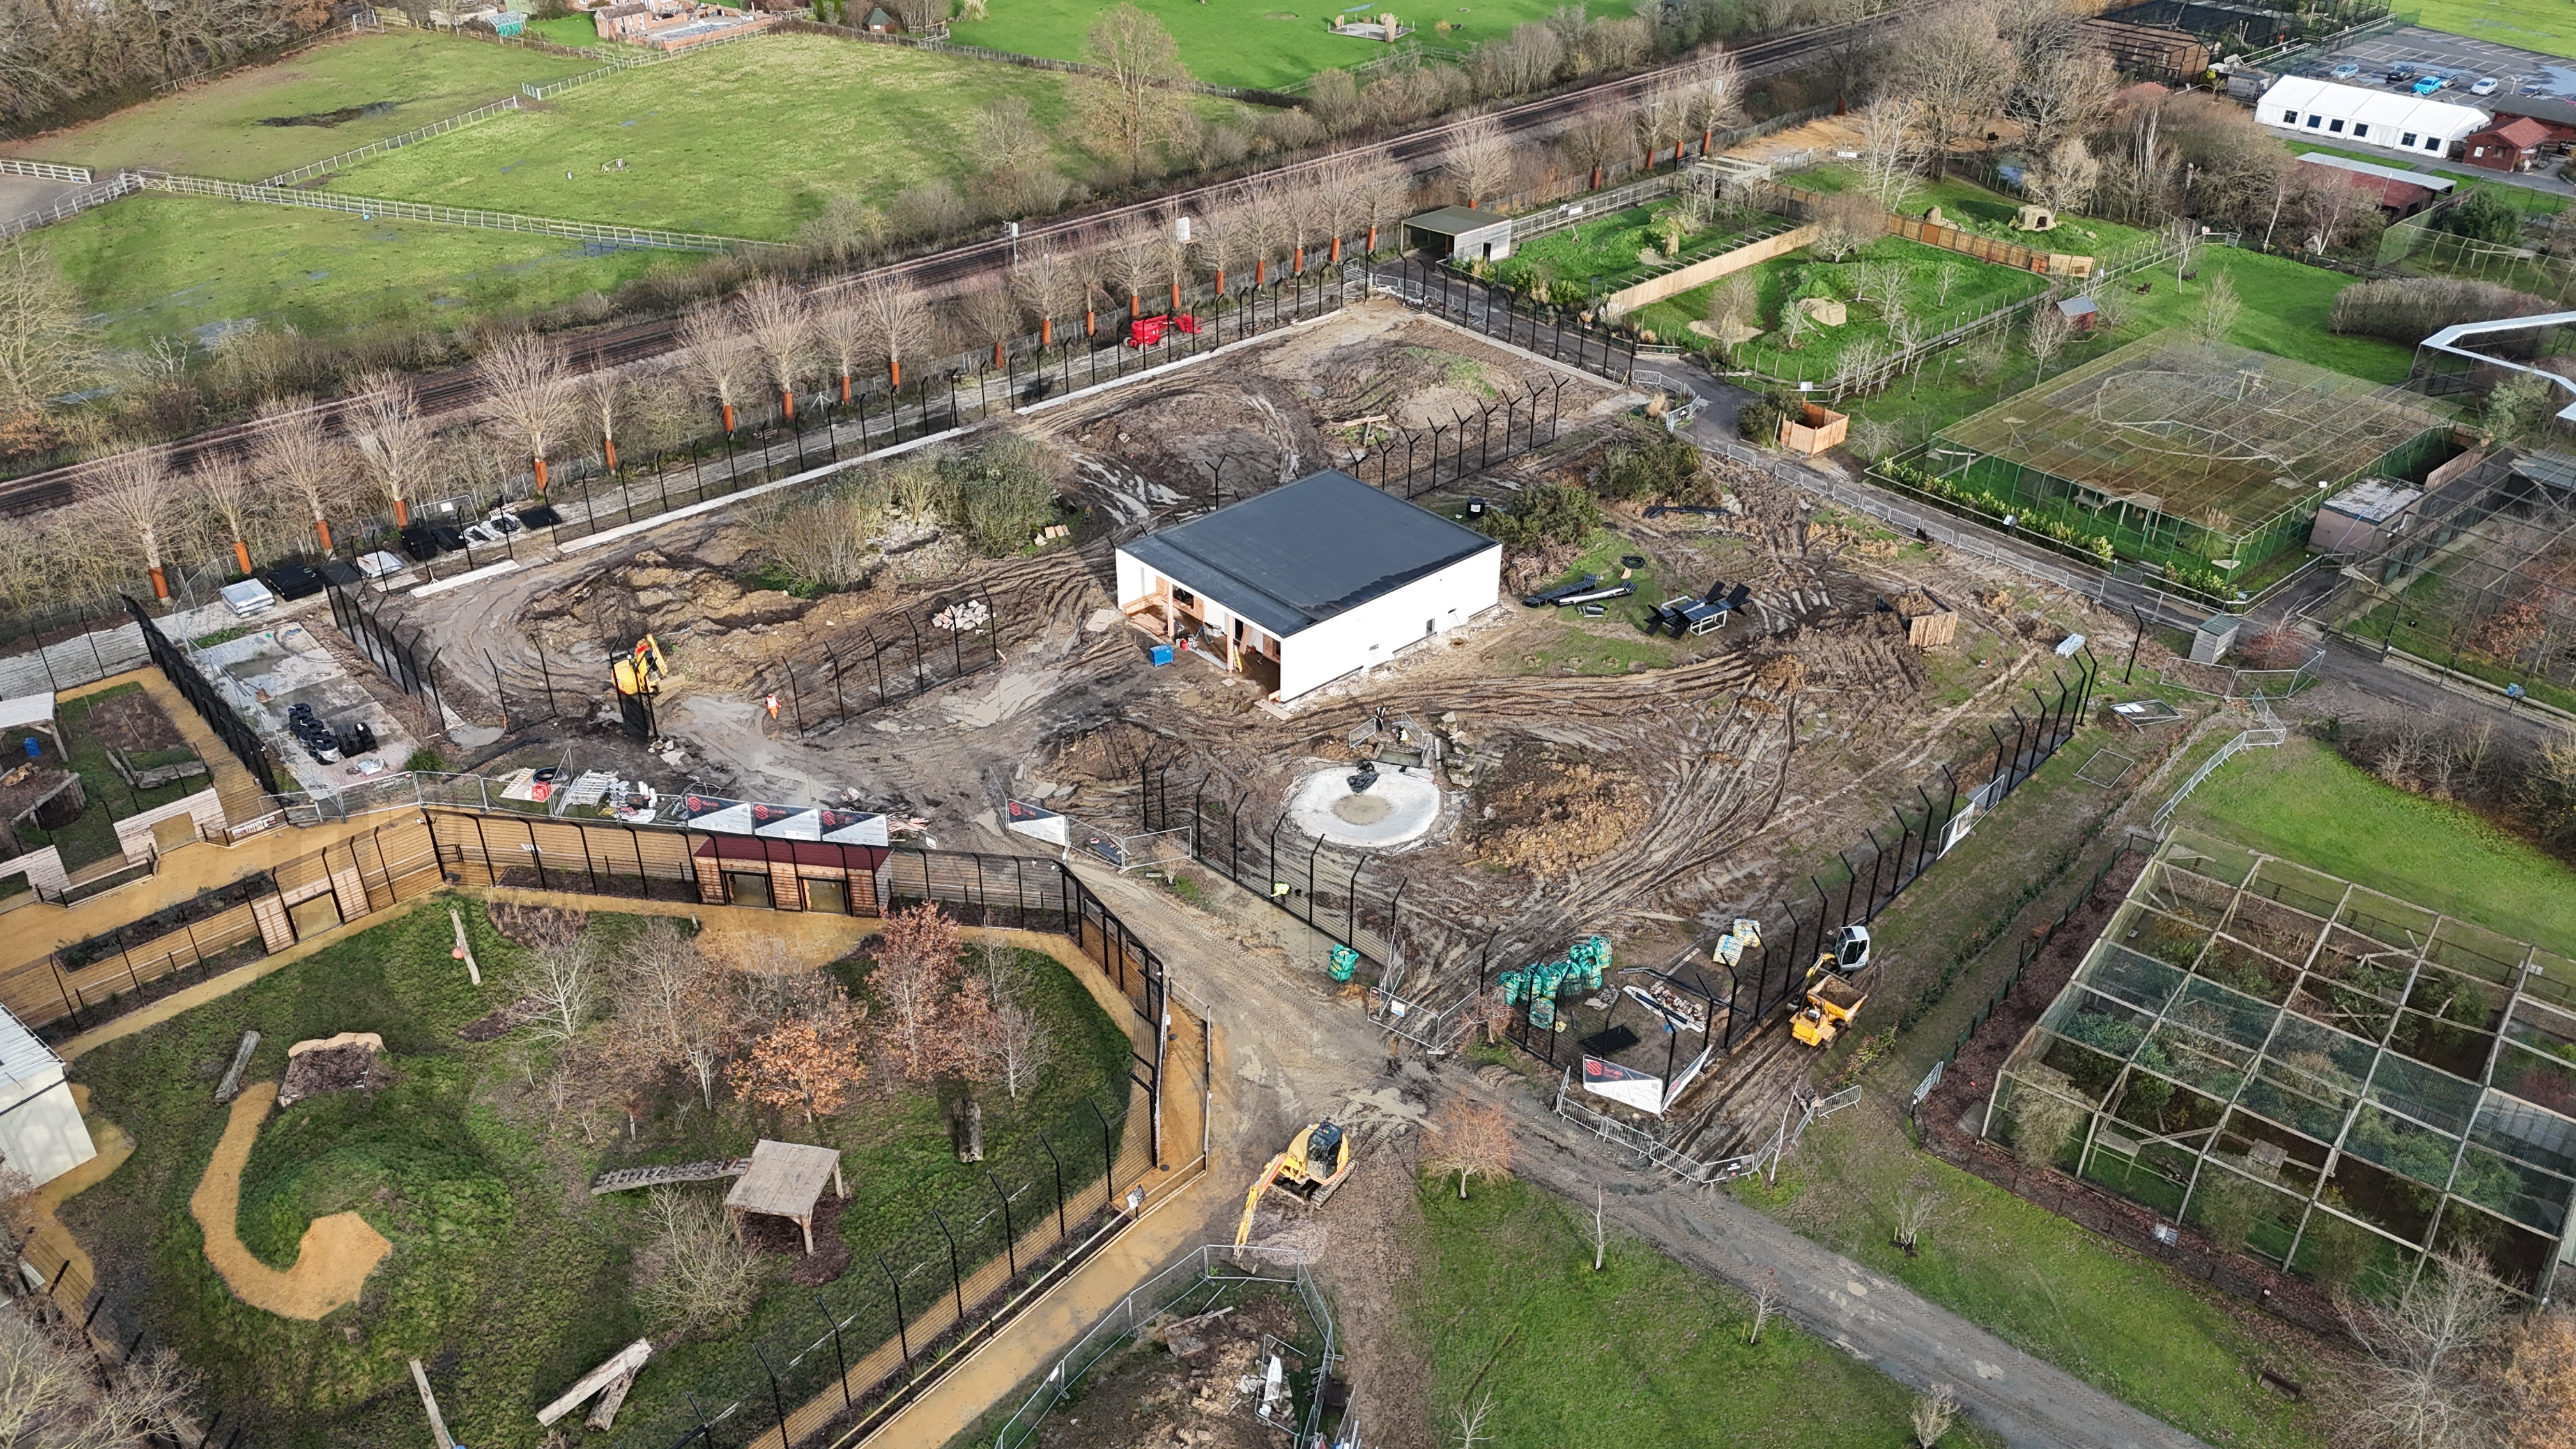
(2352, 115)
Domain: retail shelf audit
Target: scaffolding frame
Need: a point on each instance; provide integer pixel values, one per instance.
(2327, 1060)
(2176, 446)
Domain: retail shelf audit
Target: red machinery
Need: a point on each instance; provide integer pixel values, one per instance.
(1149, 331)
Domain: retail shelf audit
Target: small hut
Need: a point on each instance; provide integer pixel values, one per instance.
(785, 1180)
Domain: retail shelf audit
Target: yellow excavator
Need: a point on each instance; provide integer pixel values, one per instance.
(1833, 997)
(643, 669)
(1317, 1160)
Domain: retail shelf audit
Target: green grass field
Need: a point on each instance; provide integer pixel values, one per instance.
(504, 1273)
(152, 266)
(1245, 42)
(2109, 1316)
(2286, 305)
(2306, 803)
(1646, 1351)
(1972, 208)
(747, 140)
(215, 130)
(2529, 24)
(579, 31)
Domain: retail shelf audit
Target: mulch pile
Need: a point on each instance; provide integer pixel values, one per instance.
(831, 1255)
(501, 1023)
(350, 1068)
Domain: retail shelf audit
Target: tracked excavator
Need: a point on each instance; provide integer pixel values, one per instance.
(1317, 1160)
(643, 669)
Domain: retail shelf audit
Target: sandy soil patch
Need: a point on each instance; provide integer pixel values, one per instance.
(331, 1264)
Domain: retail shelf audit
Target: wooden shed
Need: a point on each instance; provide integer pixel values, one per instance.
(1817, 429)
(1929, 623)
(785, 1180)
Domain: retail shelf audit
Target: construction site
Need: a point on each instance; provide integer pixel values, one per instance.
(1535, 777)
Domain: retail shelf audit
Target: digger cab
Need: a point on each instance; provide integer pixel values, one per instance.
(1851, 949)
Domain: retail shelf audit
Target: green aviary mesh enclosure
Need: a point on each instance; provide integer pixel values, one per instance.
(2312, 1072)
(2190, 455)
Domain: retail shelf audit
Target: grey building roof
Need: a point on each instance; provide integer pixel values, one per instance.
(1307, 551)
(2374, 500)
(1455, 221)
(22, 1057)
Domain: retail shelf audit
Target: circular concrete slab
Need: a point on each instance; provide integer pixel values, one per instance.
(1400, 807)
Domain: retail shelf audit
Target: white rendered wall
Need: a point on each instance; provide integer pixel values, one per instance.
(1372, 633)
(41, 1132)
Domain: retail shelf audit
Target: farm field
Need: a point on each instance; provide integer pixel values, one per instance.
(2529, 24)
(398, 82)
(2306, 803)
(1646, 1351)
(1243, 43)
(503, 1271)
(160, 266)
(747, 140)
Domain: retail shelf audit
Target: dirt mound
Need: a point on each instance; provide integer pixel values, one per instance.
(503, 1022)
(1782, 674)
(1551, 813)
(1112, 754)
(313, 1068)
(1154, 1398)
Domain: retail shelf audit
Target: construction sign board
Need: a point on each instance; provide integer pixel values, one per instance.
(1641, 1090)
(1035, 822)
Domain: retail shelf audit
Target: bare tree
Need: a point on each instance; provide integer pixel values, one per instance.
(1136, 261)
(54, 1396)
(527, 396)
(1913, 1211)
(781, 330)
(391, 439)
(1716, 97)
(605, 397)
(1597, 139)
(137, 504)
(1224, 240)
(47, 347)
(842, 333)
(2542, 1374)
(1472, 1139)
(2417, 1388)
(1600, 1230)
(916, 970)
(2219, 309)
(990, 316)
(230, 502)
(1048, 285)
(1478, 159)
(1132, 105)
(1954, 63)
(2046, 336)
(1388, 189)
(673, 1004)
(719, 356)
(1932, 1415)
(1766, 1300)
(692, 1273)
(1887, 152)
(1472, 1418)
(564, 974)
(1015, 1044)
(898, 322)
(295, 457)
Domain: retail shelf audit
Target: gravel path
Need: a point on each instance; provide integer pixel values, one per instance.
(331, 1264)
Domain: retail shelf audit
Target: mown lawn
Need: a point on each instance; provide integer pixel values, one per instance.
(2306, 803)
(1608, 252)
(2526, 24)
(153, 266)
(400, 81)
(1247, 42)
(506, 1275)
(748, 140)
(1646, 1351)
(2109, 1316)
(1972, 208)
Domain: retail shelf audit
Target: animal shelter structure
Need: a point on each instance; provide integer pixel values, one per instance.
(41, 1132)
(2325, 1076)
(2207, 455)
(1313, 580)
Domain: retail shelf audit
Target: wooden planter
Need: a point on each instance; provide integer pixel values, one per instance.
(1821, 428)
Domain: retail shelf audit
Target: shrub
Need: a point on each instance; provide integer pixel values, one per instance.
(2409, 309)
(2485, 217)
(1652, 463)
(1759, 420)
(1544, 514)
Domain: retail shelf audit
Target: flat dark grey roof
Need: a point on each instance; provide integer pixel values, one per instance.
(1307, 551)
(1455, 221)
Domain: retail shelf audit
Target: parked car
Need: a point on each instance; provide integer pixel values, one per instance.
(2486, 86)
(2345, 71)
(2426, 85)
(2400, 73)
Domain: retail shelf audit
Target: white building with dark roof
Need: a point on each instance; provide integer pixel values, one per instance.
(2341, 115)
(41, 1132)
(1310, 581)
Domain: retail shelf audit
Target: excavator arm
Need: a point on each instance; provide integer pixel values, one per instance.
(1252, 1199)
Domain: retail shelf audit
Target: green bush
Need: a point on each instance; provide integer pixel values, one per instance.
(426, 760)
(2485, 217)
(1004, 491)
(1652, 463)
(1759, 420)
(1546, 513)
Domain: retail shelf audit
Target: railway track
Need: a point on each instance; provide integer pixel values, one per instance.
(450, 392)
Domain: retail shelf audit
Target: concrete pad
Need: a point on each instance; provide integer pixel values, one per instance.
(1402, 806)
